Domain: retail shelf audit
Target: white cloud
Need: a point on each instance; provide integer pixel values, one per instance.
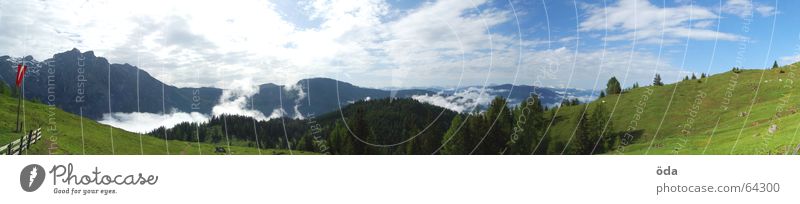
(461, 101)
(277, 113)
(641, 20)
(207, 45)
(434, 39)
(766, 10)
(146, 122)
(236, 100)
(741, 8)
(439, 43)
(790, 59)
(301, 94)
(746, 8)
(205, 37)
(703, 24)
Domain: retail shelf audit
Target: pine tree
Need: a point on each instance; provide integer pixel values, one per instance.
(414, 146)
(565, 102)
(453, 139)
(588, 131)
(216, 134)
(558, 147)
(686, 78)
(601, 134)
(361, 130)
(476, 130)
(694, 77)
(527, 130)
(499, 122)
(340, 140)
(580, 134)
(430, 140)
(775, 65)
(535, 128)
(657, 80)
(602, 94)
(574, 101)
(613, 86)
(305, 143)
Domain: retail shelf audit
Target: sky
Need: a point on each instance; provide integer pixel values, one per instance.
(392, 43)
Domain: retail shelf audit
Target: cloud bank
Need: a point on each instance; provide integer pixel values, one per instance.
(461, 101)
(234, 101)
(146, 122)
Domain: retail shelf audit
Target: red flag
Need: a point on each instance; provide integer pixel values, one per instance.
(20, 73)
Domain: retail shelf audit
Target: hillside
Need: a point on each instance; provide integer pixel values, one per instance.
(706, 116)
(63, 132)
(711, 115)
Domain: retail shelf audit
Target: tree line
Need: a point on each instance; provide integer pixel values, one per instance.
(406, 126)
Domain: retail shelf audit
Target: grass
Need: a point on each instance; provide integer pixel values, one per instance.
(691, 120)
(66, 133)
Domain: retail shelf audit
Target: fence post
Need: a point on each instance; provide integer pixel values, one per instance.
(8, 149)
(29, 140)
(21, 145)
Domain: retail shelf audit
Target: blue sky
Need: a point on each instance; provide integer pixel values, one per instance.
(695, 52)
(394, 43)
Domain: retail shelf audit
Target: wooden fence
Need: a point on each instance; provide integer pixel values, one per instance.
(18, 146)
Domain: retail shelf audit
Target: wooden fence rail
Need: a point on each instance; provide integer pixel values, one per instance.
(18, 146)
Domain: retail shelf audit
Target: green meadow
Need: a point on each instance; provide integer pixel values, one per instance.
(749, 112)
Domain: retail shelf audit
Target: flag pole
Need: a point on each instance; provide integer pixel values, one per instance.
(19, 103)
(20, 87)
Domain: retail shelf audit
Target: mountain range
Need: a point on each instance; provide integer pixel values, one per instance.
(83, 83)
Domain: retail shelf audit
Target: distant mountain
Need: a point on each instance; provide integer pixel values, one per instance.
(91, 90)
(60, 76)
(72, 87)
(322, 95)
(518, 93)
(316, 96)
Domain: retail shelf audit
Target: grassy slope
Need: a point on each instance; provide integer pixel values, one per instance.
(777, 93)
(66, 135)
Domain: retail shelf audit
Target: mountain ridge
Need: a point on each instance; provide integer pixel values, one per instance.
(111, 87)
